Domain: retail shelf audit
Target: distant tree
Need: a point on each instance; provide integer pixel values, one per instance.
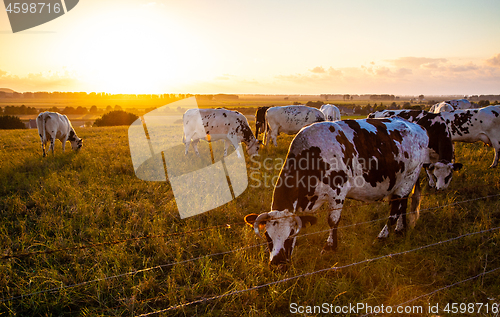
(54, 109)
(115, 118)
(483, 103)
(81, 110)
(108, 109)
(11, 122)
(314, 104)
(93, 109)
(407, 105)
(118, 108)
(69, 110)
(296, 103)
(393, 106)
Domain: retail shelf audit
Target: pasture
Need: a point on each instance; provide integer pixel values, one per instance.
(81, 235)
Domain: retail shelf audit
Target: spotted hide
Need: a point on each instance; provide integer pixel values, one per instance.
(474, 125)
(52, 126)
(456, 104)
(331, 112)
(441, 151)
(365, 160)
(289, 120)
(260, 120)
(219, 124)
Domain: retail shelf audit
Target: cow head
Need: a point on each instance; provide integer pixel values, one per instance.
(76, 142)
(440, 173)
(253, 148)
(282, 228)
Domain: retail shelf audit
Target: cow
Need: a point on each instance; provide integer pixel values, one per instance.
(472, 125)
(289, 120)
(260, 120)
(442, 107)
(366, 160)
(331, 112)
(455, 103)
(52, 126)
(441, 150)
(218, 124)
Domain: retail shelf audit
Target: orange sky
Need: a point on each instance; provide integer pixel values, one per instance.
(272, 47)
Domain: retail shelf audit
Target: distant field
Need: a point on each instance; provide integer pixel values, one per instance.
(111, 244)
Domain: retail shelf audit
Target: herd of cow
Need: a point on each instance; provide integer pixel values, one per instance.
(330, 160)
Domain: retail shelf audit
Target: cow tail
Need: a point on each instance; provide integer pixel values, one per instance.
(44, 133)
(416, 198)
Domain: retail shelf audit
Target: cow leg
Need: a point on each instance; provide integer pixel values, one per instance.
(333, 221)
(52, 144)
(398, 216)
(43, 146)
(195, 146)
(64, 145)
(496, 146)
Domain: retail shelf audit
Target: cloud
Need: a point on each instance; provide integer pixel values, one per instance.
(416, 62)
(46, 81)
(318, 70)
(494, 61)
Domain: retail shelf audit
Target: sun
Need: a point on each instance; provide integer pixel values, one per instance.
(134, 51)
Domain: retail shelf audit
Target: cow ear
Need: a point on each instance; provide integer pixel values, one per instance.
(457, 166)
(250, 219)
(308, 219)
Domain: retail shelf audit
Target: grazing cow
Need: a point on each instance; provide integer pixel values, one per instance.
(289, 120)
(443, 107)
(218, 124)
(366, 160)
(331, 112)
(455, 103)
(52, 126)
(260, 120)
(441, 151)
(472, 125)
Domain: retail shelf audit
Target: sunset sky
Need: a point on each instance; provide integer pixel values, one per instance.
(265, 47)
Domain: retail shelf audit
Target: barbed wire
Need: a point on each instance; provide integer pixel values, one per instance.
(226, 225)
(440, 289)
(218, 254)
(318, 271)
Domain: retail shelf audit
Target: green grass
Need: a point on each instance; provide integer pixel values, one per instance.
(81, 199)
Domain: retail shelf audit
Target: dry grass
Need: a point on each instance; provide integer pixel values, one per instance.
(91, 197)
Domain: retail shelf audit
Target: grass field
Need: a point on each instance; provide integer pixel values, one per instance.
(113, 245)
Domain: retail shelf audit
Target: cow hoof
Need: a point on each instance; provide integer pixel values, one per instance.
(328, 248)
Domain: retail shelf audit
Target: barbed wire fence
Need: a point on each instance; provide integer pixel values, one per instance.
(232, 293)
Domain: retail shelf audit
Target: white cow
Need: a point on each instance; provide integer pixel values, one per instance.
(218, 124)
(443, 107)
(52, 126)
(289, 120)
(472, 125)
(331, 112)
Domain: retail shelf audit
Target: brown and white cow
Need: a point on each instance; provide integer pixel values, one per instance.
(441, 153)
(331, 112)
(366, 160)
(289, 120)
(472, 125)
(52, 126)
(218, 124)
(260, 120)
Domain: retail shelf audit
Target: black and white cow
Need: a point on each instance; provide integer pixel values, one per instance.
(441, 153)
(289, 120)
(260, 120)
(52, 126)
(455, 103)
(218, 124)
(472, 125)
(366, 160)
(331, 112)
